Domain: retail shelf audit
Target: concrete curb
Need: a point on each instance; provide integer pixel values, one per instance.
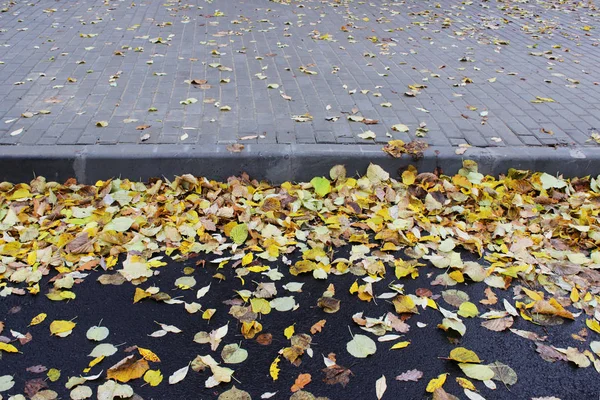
(275, 163)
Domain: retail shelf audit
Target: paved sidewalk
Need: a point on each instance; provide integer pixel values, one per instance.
(516, 75)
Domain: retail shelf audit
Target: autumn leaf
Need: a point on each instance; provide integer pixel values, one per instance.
(436, 383)
(8, 348)
(274, 369)
(62, 328)
(127, 369)
(153, 377)
(148, 355)
(318, 326)
(301, 381)
(38, 319)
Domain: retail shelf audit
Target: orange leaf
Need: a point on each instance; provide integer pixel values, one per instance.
(317, 327)
(301, 381)
(127, 369)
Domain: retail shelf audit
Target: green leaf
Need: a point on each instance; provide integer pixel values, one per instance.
(468, 310)
(234, 354)
(503, 373)
(549, 182)
(477, 371)
(361, 346)
(6, 383)
(321, 185)
(239, 233)
(97, 333)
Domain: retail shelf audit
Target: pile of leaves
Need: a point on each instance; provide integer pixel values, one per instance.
(532, 232)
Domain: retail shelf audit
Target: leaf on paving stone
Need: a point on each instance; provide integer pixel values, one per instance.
(463, 355)
(111, 390)
(503, 373)
(301, 381)
(102, 124)
(153, 377)
(361, 346)
(235, 148)
(233, 354)
(17, 132)
(142, 127)
(104, 349)
(367, 135)
(179, 375)
(436, 383)
(127, 369)
(499, 324)
(400, 128)
(412, 375)
(477, 371)
(81, 392)
(62, 328)
(97, 333)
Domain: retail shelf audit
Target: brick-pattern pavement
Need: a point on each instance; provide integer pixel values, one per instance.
(481, 63)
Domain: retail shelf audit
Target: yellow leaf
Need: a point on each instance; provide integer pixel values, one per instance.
(95, 361)
(250, 329)
(258, 268)
(140, 294)
(153, 378)
(400, 345)
(436, 383)
(127, 369)
(261, 306)
(247, 259)
(9, 348)
(468, 310)
(208, 313)
(53, 374)
(463, 355)
(289, 331)
(593, 325)
(466, 384)
(58, 327)
(148, 355)
(574, 295)
(354, 287)
(38, 319)
(274, 369)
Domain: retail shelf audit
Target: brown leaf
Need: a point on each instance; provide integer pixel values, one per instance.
(198, 81)
(82, 244)
(37, 369)
(1, 326)
(317, 327)
(411, 375)
(301, 381)
(498, 324)
(26, 339)
(235, 148)
(112, 279)
(329, 304)
(33, 386)
(491, 297)
(549, 353)
(441, 394)
(142, 127)
(264, 338)
(337, 374)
